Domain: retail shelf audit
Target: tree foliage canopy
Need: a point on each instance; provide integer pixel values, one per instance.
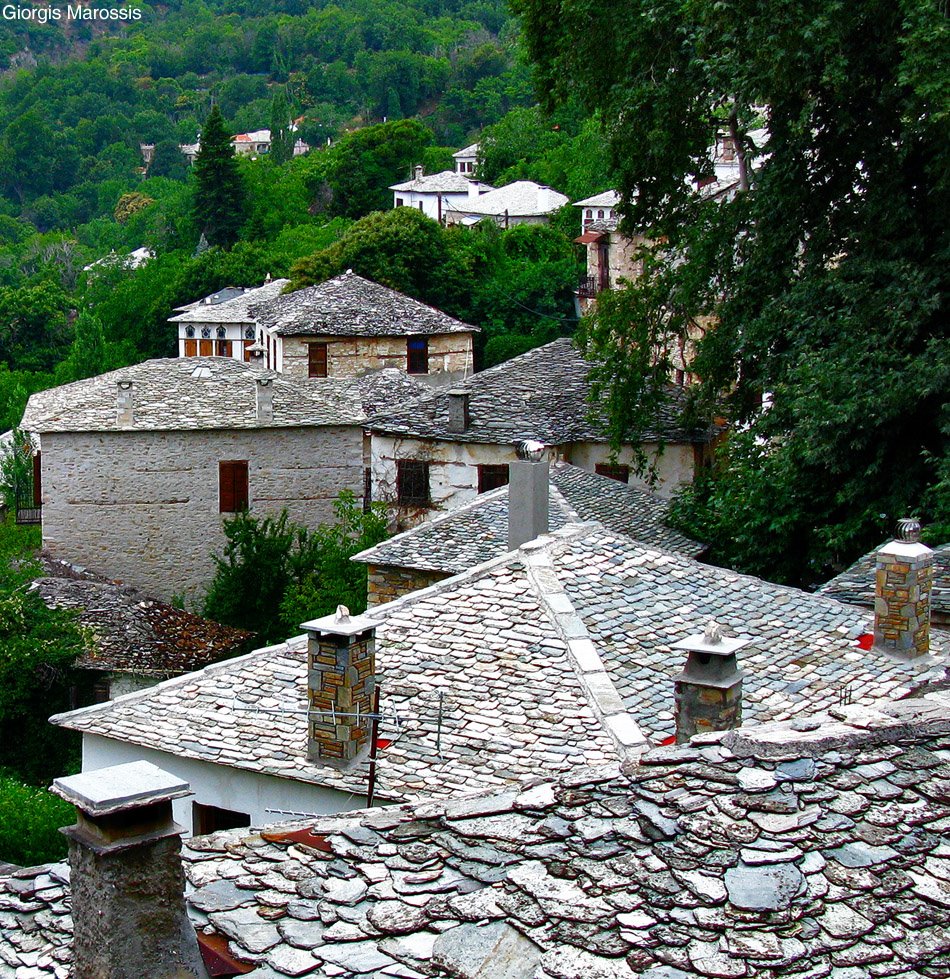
(219, 190)
(827, 280)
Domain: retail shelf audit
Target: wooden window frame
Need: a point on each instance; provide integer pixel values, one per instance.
(492, 476)
(318, 359)
(412, 483)
(615, 471)
(191, 347)
(417, 355)
(233, 496)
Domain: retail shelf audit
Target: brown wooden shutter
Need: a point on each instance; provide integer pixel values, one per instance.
(316, 360)
(206, 348)
(232, 487)
(191, 348)
(37, 481)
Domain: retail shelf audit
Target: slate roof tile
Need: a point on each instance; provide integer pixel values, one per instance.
(543, 394)
(350, 305)
(571, 881)
(236, 310)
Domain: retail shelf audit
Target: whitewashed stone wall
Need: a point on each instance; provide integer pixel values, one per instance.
(449, 353)
(236, 789)
(142, 507)
(453, 468)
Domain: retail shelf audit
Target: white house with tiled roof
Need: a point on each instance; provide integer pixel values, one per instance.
(436, 194)
(521, 202)
(466, 160)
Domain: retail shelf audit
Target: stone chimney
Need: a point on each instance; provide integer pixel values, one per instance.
(528, 494)
(418, 171)
(265, 400)
(125, 416)
(458, 410)
(708, 693)
(341, 681)
(128, 905)
(903, 583)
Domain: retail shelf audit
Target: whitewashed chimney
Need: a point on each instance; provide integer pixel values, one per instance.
(528, 494)
(903, 585)
(265, 400)
(341, 682)
(126, 877)
(419, 172)
(125, 414)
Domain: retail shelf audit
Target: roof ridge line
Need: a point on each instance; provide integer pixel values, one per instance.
(582, 653)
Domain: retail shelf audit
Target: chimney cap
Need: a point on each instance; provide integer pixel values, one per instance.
(531, 450)
(340, 623)
(908, 530)
(130, 786)
(711, 641)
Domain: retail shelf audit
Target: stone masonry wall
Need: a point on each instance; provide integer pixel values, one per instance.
(142, 507)
(387, 583)
(352, 356)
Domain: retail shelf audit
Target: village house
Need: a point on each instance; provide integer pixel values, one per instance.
(252, 144)
(221, 325)
(349, 326)
(466, 160)
(436, 193)
(136, 641)
(438, 453)
(522, 202)
(478, 531)
(141, 466)
(804, 848)
(582, 647)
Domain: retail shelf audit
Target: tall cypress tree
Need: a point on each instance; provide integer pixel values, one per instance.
(220, 199)
(281, 139)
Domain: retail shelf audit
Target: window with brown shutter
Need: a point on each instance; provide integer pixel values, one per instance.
(412, 482)
(232, 486)
(222, 348)
(620, 473)
(316, 360)
(191, 348)
(37, 480)
(491, 477)
(206, 349)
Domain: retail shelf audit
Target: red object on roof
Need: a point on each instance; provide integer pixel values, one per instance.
(302, 836)
(588, 237)
(866, 641)
(666, 741)
(217, 957)
(382, 743)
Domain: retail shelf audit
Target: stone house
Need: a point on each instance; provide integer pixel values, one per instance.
(466, 160)
(521, 202)
(141, 466)
(440, 452)
(479, 531)
(436, 193)
(349, 326)
(221, 325)
(580, 648)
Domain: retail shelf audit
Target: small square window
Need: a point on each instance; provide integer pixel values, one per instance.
(620, 473)
(417, 355)
(412, 482)
(491, 477)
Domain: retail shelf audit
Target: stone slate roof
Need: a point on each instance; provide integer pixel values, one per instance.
(388, 388)
(609, 198)
(794, 851)
(478, 531)
(856, 584)
(350, 305)
(553, 656)
(190, 393)
(470, 150)
(446, 182)
(236, 310)
(542, 394)
(523, 198)
(134, 633)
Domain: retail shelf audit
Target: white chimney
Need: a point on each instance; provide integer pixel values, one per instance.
(528, 494)
(418, 172)
(126, 877)
(125, 415)
(265, 400)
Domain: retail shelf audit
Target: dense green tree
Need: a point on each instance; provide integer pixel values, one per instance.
(281, 138)
(219, 203)
(33, 326)
(827, 278)
(87, 355)
(168, 161)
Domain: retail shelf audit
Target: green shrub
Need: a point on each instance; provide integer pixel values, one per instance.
(30, 818)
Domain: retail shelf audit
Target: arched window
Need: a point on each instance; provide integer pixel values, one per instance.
(190, 332)
(221, 333)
